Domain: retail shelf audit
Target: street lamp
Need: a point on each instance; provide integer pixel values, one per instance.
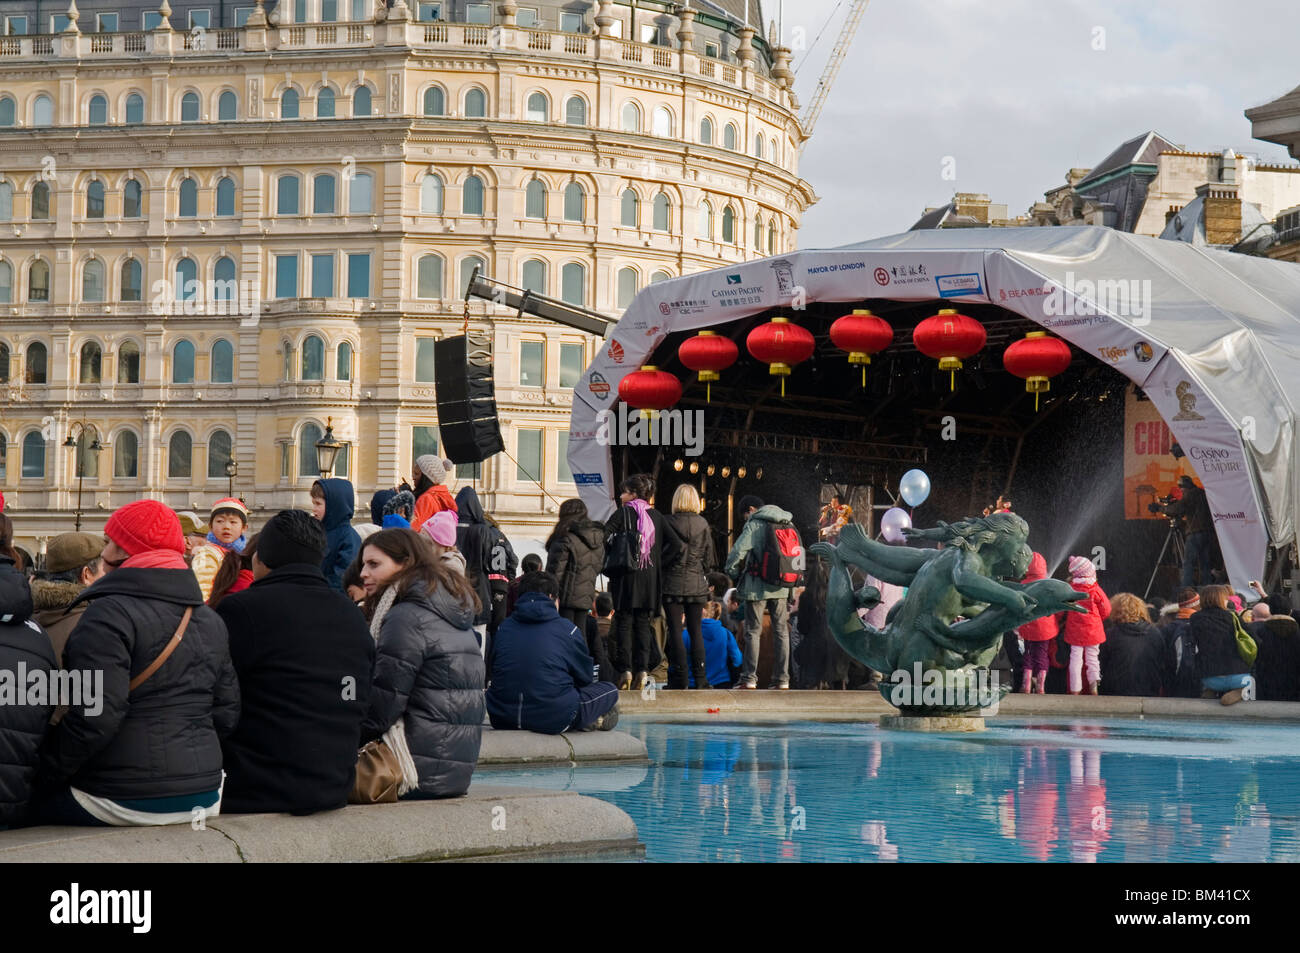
(327, 449)
(75, 444)
(232, 471)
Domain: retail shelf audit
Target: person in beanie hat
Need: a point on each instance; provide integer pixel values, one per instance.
(149, 752)
(431, 493)
(1084, 631)
(72, 562)
(440, 531)
(228, 521)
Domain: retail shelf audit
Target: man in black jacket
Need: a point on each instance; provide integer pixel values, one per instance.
(22, 725)
(303, 654)
(1195, 508)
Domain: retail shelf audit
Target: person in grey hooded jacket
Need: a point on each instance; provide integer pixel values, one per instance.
(428, 667)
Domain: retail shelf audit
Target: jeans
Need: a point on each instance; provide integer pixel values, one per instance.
(779, 610)
(60, 807)
(693, 613)
(1197, 554)
(632, 640)
(1087, 657)
(1226, 683)
(593, 701)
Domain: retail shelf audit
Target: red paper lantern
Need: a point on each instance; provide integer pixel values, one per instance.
(861, 334)
(708, 353)
(649, 389)
(1037, 358)
(949, 336)
(780, 344)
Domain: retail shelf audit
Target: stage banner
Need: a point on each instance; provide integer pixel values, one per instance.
(1150, 470)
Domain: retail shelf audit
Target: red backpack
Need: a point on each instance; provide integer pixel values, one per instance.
(780, 560)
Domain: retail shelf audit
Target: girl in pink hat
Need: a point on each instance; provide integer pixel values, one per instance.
(1084, 632)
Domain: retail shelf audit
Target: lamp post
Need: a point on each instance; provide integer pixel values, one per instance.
(327, 449)
(232, 471)
(80, 428)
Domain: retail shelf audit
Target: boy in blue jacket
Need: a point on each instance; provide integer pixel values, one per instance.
(332, 502)
(540, 671)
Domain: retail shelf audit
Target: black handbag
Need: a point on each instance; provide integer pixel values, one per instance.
(622, 548)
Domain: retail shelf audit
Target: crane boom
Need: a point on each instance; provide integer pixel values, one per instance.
(847, 32)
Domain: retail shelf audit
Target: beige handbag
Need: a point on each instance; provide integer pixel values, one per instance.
(378, 775)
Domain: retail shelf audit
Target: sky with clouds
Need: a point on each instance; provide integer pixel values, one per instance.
(1017, 92)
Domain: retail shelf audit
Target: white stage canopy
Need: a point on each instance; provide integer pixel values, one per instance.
(1212, 337)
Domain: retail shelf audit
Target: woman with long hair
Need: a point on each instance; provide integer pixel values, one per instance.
(235, 574)
(1133, 654)
(575, 553)
(646, 542)
(686, 587)
(426, 697)
(1212, 633)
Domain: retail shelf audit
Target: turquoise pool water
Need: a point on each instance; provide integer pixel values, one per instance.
(1025, 790)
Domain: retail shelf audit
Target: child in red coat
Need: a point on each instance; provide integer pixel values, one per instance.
(1038, 637)
(1084, 632)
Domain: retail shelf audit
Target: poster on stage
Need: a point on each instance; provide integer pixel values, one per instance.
(1150, 470)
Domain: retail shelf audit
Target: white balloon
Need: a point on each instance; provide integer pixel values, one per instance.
(914, 487)
(893, 523)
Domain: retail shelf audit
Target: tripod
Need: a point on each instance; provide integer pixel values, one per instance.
(1178, 554)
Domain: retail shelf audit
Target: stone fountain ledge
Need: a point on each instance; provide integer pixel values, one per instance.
(771, 705)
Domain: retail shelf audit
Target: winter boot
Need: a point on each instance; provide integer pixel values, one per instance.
(1040, 683)
(1027, 682)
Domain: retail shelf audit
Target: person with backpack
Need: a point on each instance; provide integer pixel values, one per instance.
(639, 542)
(766, 562)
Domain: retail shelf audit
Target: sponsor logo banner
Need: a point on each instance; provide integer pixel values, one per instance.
(958, 286)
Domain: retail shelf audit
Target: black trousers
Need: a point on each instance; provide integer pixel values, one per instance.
(693, 613)
(633, 640)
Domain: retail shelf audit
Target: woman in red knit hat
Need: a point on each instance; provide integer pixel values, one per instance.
(145, 747)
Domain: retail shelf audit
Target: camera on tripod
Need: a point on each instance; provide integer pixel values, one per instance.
(1160, 503)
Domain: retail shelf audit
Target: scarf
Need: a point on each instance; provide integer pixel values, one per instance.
(238, 545)
(395, 736)
(646, 528)
(155, 559)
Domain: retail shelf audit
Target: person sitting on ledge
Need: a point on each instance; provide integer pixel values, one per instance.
(541, 673)
(1219, 662)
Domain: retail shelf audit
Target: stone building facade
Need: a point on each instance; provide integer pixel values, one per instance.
(213, 242)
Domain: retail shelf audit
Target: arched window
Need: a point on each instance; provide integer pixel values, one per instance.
(132, 199)
(95, 199)
(183, 363)
(758, 145)
(98, 111)
(631, 117)
(428, 277)
(471, 196)
(187, 280)
(132, 278)
(6, 282)
(40, 202)
(575, 202)
(539, 108)
(33, 455)
(322, 200)
(286, 195)
(128, 363)
(343, 362)
(134, 109)
(92, 357)
(226, 196)
(218, 454)
(535, 276)
(38, 281)
(575, 111)
(627, 289)
(43, 111)
(223, 280)
(190, 107)
(475, 104)
(662, 218)
(730, 137)
(325, 103)
(631, 208)
(92, 281)
(758, 232)
(535, 199)
(573, 284)
(313, 359)
(308, 437)
(729, 225)
(6, 202)
(659, 276)
(467, 266)
(180, 453)
(431, 194)
(435, 101)
(663, 122)
(188, 199)
(35, 364)
(771, 239)
(706, 221)
(361, 102)
(126, 455)
(7, 111)
(227, 106)
(361, 194)
(4, 377)
(289, 104)
(774, 152)
(223, 362)
(706, 131)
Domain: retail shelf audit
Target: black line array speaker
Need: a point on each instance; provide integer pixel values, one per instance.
(467, 407)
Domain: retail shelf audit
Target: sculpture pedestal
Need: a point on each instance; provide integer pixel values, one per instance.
(933, 722)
